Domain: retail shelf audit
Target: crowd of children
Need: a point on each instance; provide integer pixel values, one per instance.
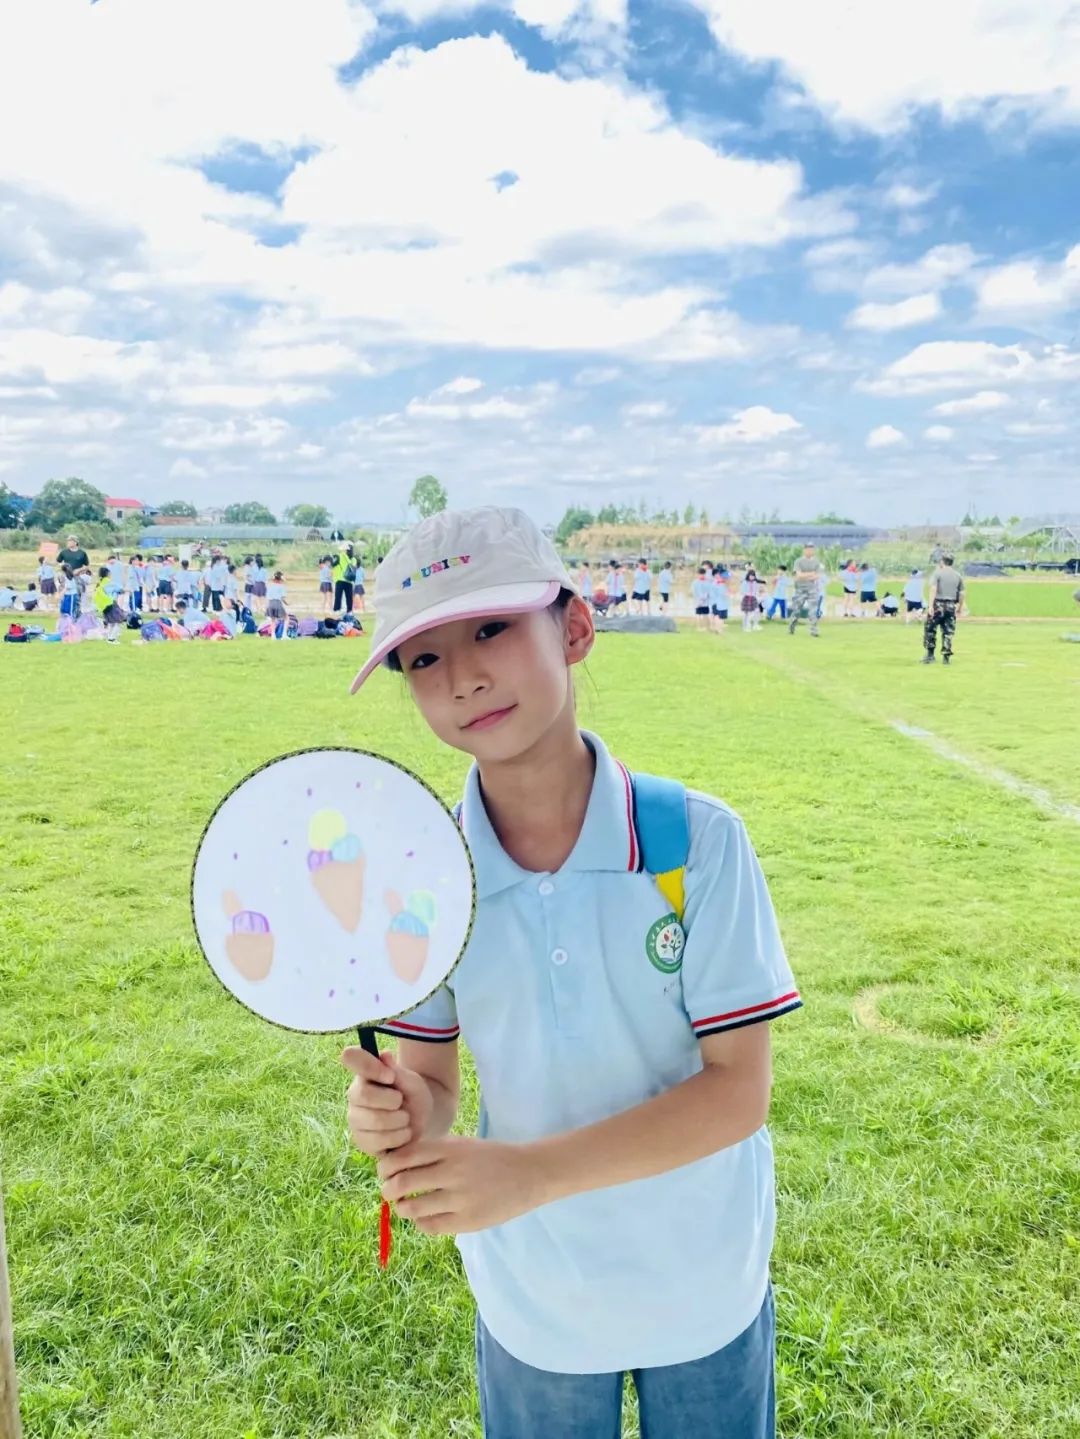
(217, 598)
(238, 596)
(717, 593)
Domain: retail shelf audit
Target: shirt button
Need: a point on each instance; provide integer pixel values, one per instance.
(546, 887)
(559, 956)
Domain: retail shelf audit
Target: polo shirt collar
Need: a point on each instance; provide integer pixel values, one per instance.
(607, 840)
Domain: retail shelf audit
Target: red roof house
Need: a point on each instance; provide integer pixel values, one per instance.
(120, 509)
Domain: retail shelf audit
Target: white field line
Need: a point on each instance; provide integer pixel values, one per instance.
(1032, 792)
(1041, 797)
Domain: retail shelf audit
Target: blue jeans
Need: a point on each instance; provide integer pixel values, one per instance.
(777, 604)
(726, 1395)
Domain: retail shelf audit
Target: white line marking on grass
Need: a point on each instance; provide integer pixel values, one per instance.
(816, 681)
(1043, 798)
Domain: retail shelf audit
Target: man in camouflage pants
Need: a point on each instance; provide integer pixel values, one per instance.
(808, 571)
(946, 601)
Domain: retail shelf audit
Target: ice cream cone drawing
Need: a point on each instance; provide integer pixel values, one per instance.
(407, 938)
(336, 864)
(250, 945)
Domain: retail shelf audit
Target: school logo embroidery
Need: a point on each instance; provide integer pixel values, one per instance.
(664, 944)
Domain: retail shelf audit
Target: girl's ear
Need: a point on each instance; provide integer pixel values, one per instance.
(579, 632)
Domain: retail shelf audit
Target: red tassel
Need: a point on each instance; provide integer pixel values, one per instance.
(384, 1235)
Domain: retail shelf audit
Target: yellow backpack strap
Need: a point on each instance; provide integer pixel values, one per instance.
(663, 832)
(670, 885)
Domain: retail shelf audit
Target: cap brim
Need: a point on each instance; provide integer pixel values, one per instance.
(497, 600)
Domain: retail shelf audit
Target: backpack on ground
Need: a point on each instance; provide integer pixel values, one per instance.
(308, 627)
(16, 635)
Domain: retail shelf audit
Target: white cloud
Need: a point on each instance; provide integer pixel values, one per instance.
(979, 403)
(463, 385)
(902, 196)
(749, 426)
(646, 410)
(938, 432)
(553, 17)
(261, 432)
(874, 65)
(917, 310)
(185, 469)
(883, 437)
(958, 364)
(714, 334)
(1036, 427)
(61, 359)
(400, 226)
(941, 265)
(518, 405)
(246, 397)
(1030, 288)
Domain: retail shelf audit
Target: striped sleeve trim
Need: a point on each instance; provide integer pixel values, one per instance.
(753, 1014)
(401, 1030)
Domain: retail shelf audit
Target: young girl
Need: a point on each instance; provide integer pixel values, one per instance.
(701, 594)
(258, 583)
(70, 599)
(359, 600)
(150, 583)
(719, 596)
(326, 583)
(111, 614)
(166, 574)
(751, 615)
(275, 603)
(616, 1212)
(46, 582)
(134, 581)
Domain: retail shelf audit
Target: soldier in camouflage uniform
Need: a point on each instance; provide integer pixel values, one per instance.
(946, 601)
(808, 571)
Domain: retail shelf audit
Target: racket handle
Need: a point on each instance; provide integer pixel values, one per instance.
(369, 1043)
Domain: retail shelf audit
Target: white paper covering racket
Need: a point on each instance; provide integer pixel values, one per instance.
(332, 889)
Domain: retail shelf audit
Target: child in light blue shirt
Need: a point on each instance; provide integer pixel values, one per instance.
(615, 1212)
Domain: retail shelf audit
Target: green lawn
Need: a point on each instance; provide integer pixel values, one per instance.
(191, 1239)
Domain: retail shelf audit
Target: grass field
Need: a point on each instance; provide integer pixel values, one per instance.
(191, 1238)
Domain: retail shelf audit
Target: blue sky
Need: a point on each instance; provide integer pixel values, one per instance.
(739, 253)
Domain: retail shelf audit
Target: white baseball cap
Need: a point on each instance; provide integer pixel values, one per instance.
(459, 565)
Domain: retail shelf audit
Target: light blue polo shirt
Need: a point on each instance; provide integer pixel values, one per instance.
(572, 1016)
(642, 581)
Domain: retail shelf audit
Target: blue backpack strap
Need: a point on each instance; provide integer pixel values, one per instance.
(663, 831)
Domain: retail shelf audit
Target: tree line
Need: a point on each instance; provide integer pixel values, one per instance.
(73, 501)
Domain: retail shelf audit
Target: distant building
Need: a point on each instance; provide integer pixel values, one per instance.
(119, 510)
(850, 537)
